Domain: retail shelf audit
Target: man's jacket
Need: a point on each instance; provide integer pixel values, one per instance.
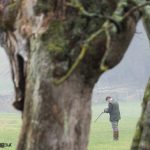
(113, 110)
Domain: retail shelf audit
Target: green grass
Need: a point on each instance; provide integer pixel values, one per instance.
(100, 135)
(9, 129)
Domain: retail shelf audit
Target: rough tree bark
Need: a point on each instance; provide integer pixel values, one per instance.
(57, 50)
(141, 140)
(142, 135)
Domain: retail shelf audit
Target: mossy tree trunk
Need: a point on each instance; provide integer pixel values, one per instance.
(57, 50)
(141, 140)
(142, 135)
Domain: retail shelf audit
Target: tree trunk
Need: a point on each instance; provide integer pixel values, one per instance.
(141, 140)
(142, 135)
(54, 117)
(57, 51)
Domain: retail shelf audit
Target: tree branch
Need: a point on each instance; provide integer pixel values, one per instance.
(84, 49)
(110, 26)
(107, 27)
(135, 9)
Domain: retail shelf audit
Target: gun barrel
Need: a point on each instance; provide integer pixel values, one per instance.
(98, 116)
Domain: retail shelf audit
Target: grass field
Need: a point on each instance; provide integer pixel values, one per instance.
(100, 135)
(9, 129)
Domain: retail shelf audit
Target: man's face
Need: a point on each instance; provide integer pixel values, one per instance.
(109, 100)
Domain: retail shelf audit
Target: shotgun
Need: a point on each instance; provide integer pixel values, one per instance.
(98, 116)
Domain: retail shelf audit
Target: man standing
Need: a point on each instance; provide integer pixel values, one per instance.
(114, 112)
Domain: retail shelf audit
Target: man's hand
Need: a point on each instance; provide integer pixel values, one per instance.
(105, 110)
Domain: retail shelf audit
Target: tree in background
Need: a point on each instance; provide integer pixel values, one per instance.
(57, 50)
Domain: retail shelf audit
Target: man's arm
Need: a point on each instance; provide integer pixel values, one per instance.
(109, 109)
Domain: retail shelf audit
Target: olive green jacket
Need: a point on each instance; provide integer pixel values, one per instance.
(113, 110)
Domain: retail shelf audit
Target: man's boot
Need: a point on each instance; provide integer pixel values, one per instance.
(115, 135)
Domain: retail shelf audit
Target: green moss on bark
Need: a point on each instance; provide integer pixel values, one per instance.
(43, 6)
(54, 39)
